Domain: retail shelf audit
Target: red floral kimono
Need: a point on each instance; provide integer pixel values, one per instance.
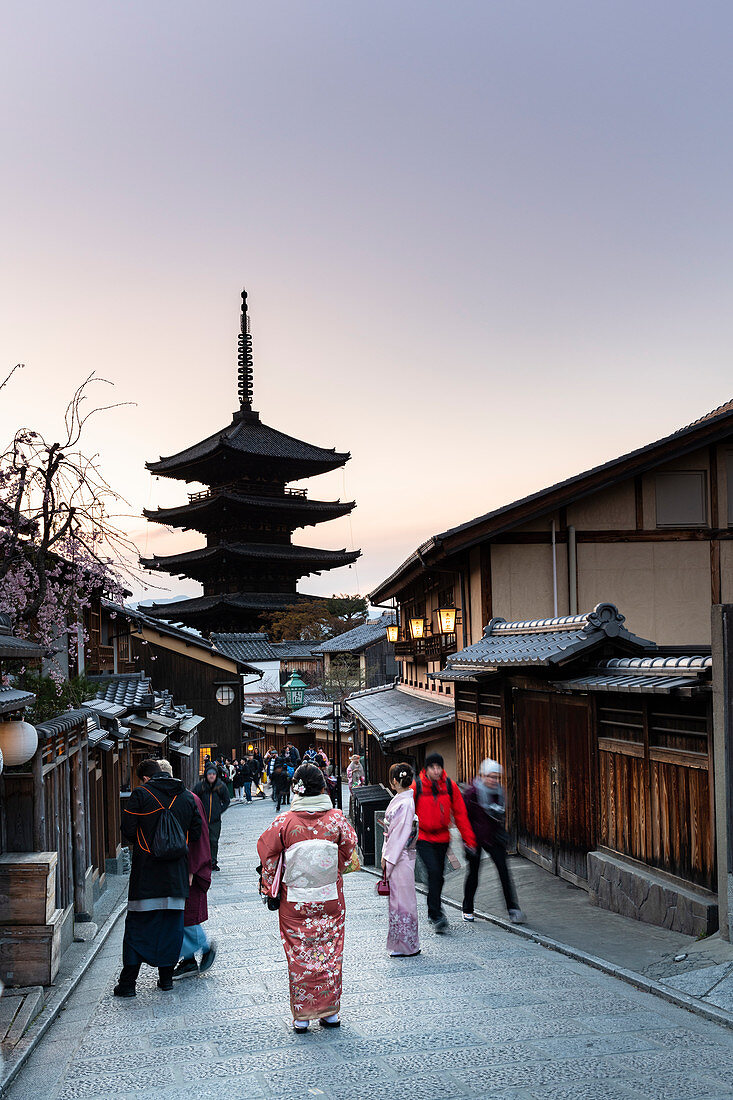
(317, 843)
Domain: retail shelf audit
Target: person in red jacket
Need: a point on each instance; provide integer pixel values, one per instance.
(437, 802)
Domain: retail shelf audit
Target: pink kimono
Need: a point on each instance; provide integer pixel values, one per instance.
(399, 855)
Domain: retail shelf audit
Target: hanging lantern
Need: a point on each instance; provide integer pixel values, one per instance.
(18, 742)
(417, 628)
(392, 633)
(447, 620)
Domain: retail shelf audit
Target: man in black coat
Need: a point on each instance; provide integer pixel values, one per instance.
(215, 798)
(158, 886)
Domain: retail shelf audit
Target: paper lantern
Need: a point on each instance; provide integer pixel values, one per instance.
(393, 633)
(18, 742)
(447, 620)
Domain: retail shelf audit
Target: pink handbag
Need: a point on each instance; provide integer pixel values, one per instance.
(383, 886)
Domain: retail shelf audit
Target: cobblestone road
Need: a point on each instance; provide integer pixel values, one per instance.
(480, 1014)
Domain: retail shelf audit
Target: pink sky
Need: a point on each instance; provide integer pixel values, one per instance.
(485, 245)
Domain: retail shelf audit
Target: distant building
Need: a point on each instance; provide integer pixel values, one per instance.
(368, 645)
(256, 651)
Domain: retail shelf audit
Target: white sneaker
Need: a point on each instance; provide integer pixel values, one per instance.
(516, 916)
(468, 916)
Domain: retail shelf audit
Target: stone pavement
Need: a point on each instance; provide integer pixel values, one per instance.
(480, 1013)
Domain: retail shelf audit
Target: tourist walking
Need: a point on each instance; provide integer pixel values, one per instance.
(280, 785)
(239, 781)
(437, 802)
(215, 799)
(398, 864)
(254, 768)
(197, 910)
(159, 881)
(315, 842)
(486, 808)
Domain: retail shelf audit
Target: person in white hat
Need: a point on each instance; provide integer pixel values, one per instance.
(486, 808)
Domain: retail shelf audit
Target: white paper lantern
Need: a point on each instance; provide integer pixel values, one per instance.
(18, 742)
(2, 763)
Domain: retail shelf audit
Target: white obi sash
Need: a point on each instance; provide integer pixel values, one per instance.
(311, 871)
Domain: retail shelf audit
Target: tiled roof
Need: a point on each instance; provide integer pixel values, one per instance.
(291, 651)
(303, 510)
(542, 641)
(351, 641)
(249, 436)
(237, 601)
(69, 720)
(313, 710)
(394, 715)
(256, 551)
(245, 647)
(12, 699)
(646, 675)
(509, 516)
(11, 646)
(127, 690)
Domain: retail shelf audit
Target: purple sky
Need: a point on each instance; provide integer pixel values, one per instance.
(486, 244)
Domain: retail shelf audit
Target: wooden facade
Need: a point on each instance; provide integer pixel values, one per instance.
(628, 774)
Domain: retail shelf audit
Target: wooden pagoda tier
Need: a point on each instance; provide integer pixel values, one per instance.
(229, 611)
(249, 452)
(249, 566)
(250, 563)
(262, 516)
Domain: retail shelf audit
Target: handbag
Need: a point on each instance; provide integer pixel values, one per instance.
(383, 885)
(272, 894)
(355, 863)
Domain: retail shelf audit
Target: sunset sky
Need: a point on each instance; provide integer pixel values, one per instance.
(486, 244)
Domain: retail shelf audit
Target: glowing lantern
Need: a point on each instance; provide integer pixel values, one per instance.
(392, 633)
(417, 628)
(18, 742)
(447, 620)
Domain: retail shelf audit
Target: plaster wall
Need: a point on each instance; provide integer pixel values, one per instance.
(270, 681)
(609, 510)
(477, 626)
(663, 588)
(521, 581)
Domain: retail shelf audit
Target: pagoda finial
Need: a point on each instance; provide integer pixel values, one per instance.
(246, 365)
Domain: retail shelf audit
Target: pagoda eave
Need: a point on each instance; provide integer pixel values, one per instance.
(212, 510)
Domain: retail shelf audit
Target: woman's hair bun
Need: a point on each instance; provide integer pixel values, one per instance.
(401, 774)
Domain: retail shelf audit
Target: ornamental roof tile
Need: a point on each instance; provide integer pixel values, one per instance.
(128, 690)
(12, 699)
(541, 641)
(678, 675)
(292, 651)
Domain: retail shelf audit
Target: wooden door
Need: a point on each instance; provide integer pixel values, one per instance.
(534, 788)
(554, 782)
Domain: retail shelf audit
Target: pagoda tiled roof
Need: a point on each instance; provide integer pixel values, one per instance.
(300, 511)
(255, 551)
(179, 610)
(245, 647)
(248, 436)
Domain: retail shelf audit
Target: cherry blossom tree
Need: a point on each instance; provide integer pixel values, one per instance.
(60, 546)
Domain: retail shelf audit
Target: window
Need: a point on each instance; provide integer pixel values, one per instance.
(681, 499)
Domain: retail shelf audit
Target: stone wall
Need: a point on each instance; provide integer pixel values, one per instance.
(637, 892)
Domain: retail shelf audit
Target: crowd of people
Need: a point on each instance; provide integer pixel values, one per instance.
(304, 853)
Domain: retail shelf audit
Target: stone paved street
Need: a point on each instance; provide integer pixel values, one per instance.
(480, 1014)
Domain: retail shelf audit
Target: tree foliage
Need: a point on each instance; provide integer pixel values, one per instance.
(317, 620)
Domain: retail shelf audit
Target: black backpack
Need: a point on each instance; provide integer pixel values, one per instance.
(169, 840)
(448, 784)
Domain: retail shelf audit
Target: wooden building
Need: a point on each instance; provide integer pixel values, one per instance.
(607, 749)
(249, 565)
(365, 650)
(650, 531)
(301, 657)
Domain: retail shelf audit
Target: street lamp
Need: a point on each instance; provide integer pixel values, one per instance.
(417, 628)
(447, 620)
(337, 750)
(295, 691)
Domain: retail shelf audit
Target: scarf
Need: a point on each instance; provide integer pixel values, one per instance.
(490, 799)
(310, 803)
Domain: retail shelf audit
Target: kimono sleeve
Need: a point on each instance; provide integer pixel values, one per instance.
(270, 846)
(400, 828)
(347, 841)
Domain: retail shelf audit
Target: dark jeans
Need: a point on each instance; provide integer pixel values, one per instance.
(433, 856)
(248, 789)
(214, 834)
(129, 973)
(283, 796)
(498, 854)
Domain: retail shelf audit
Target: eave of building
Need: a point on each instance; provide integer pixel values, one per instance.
(295, 560)
(194, 652)
(709, 429)
(235, 602)
(209, 513)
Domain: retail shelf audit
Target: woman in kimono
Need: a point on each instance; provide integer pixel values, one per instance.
(316, 842)
(398, 863)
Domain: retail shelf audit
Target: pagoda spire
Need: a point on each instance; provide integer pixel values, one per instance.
(245, 363)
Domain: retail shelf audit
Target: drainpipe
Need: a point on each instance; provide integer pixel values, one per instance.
(554, 570)
(572, 573)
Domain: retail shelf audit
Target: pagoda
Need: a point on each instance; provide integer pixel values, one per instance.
(249, 566)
